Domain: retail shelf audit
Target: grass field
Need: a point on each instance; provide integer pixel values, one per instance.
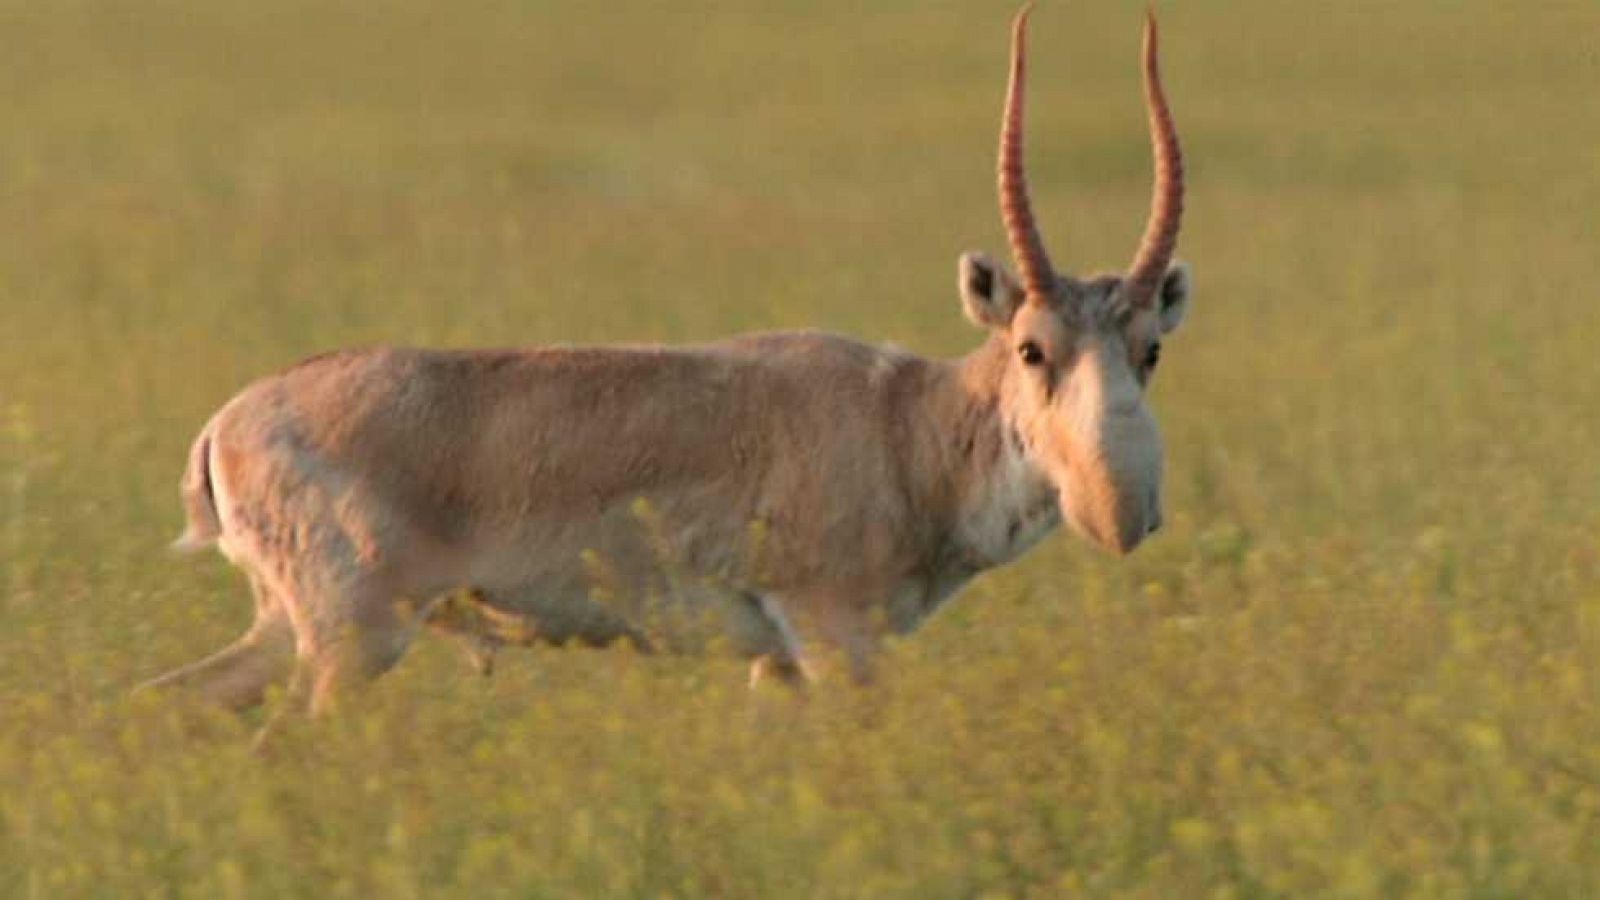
(1363, 659)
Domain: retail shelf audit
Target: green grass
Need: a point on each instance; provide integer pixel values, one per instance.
(1362, 660)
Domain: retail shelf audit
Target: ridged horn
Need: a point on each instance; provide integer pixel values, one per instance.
(1166, 196)
(1027, 247)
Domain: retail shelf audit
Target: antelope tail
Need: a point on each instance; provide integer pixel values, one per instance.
(199, 500)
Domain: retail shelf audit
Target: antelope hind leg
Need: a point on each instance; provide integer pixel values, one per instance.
(236, 677)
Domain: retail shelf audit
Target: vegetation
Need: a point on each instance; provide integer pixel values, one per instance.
(1363, 659)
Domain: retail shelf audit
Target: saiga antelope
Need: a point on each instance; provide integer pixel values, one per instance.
(806, 491)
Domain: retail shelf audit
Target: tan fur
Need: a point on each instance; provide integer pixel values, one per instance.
(790, 496)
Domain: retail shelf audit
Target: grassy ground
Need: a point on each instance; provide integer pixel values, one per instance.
(1361, 660)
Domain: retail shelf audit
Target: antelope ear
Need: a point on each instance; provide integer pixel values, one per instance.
(989, 295)
(1174, 296)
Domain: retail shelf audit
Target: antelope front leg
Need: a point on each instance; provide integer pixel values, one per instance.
(816, 629)
(778, 666)
(848, 633)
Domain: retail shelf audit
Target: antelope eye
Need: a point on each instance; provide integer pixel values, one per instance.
(1030, 353)
(1153, 355)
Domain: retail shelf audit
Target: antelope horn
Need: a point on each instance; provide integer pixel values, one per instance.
(1027, 248)
(1166, 197)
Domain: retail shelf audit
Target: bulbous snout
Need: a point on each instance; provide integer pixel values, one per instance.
(1112, 495)
(1119, 529)
(1106, 451)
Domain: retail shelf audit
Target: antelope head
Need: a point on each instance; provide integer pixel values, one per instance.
(1080, 352)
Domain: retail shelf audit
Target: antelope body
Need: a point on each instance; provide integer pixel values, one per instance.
(800, 493)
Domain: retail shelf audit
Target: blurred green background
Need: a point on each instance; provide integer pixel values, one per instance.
(1360, 661)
